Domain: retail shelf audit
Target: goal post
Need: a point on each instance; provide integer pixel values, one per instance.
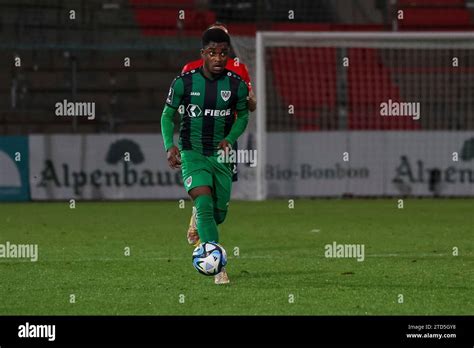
(261, 123)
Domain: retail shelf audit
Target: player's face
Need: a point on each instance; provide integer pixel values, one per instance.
(215, 56)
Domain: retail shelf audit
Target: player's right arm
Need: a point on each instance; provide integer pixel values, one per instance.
(175, 95)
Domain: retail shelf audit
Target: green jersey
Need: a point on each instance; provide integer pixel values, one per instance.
(207, 108)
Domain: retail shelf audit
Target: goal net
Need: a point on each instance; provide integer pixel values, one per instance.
(362, 114)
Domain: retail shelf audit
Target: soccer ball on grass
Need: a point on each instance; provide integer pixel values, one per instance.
(209, 258)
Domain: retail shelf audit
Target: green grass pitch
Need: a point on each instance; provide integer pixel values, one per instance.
(408, 252)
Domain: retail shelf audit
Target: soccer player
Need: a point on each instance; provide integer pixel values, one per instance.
(241, 70)
(206, 99)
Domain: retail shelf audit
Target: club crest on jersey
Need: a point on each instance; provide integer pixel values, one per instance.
(189, 181)
(225, 95)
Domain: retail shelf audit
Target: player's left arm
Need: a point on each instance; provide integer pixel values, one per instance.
(242, 118)
(252, 101)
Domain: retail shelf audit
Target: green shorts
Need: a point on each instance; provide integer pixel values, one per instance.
(199, 170)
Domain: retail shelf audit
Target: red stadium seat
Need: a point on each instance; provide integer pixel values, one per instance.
(248, 29)
(315, 66)
(162, 18)
(435, 17)
(431, 3)
(174, 3)
(306, 78)
(370, 84)
(158, 17)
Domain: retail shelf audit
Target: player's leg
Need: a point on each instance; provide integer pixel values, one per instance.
(192, 234)
(206, 225)
(219, 215)
(203, 200)
(222, 178)
(197, 179)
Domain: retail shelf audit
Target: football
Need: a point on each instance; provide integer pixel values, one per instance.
(209, 258)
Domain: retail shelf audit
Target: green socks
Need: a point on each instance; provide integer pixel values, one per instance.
(206, 225)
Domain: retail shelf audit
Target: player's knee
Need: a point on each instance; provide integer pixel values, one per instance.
(199, 191)
(219, 216)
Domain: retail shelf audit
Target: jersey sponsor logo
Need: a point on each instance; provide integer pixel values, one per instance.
(194, 110)
(197, 94)
(225, 95)
(211, 112)
(169, 100)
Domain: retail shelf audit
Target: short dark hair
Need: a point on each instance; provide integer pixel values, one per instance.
(214, 35)
(217, 24)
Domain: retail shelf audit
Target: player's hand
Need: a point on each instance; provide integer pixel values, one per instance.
(252, 101)
(174, 157)
(224, 145)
